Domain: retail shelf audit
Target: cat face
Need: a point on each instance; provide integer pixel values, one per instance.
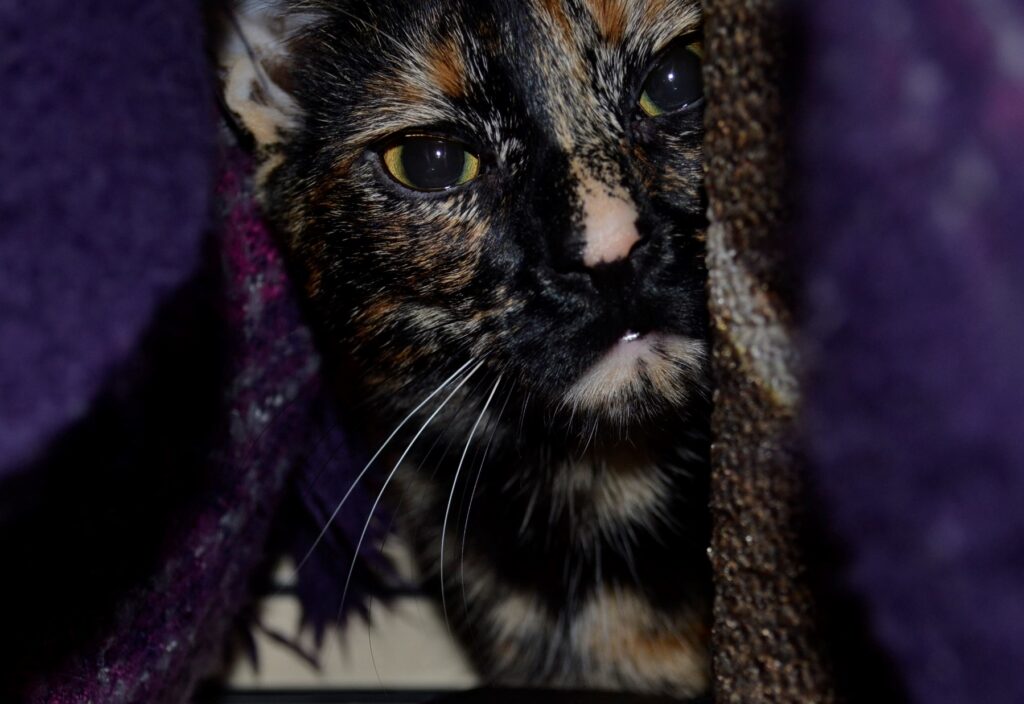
(513, 181)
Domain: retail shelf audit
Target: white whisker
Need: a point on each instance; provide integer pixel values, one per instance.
(359, 477)
(451, 495)
(391, 475)
(528, 514)
(522, 414)
(590, 438)
(472, 495)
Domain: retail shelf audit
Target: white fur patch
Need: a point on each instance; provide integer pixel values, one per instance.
(663, 365)
(633, 495)
(623, 487)
(520, 616)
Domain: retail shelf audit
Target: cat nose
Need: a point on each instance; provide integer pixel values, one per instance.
(609, 223)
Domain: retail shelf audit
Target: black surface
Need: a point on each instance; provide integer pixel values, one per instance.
(479, 696)
(317, 696)
(543, 696)
(556, 697)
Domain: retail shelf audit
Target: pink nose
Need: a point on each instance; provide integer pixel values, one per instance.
(609, 224)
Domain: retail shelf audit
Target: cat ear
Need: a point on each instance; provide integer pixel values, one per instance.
(254, 56)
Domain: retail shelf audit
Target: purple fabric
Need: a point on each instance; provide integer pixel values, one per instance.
(158, 395)
(187, 457)
(106, 154)
(319, 486)
(910, 176)
(157, 383)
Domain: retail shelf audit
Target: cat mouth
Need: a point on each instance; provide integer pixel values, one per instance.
(641, 372)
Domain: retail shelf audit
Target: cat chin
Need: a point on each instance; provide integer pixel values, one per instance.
(640, 376)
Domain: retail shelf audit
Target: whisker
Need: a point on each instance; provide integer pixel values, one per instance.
(359, 477)
(369, 637)
(522, 414)
(451, 495)
(391, 475)
(590, 438)
(528, 514)
(472, 495)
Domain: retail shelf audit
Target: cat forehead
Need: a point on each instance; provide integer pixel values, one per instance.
(632, 25)
(562, 54)
(544, 35)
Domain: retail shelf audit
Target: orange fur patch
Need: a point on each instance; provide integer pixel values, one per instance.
(555, 9)
(447, 67)
(611, 19)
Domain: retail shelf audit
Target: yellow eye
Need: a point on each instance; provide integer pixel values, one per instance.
(675, 82)
(430, 163)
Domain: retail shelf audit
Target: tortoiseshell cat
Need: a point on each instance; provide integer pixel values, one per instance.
(497, 206)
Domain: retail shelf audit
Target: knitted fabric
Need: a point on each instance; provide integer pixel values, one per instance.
(171, 526)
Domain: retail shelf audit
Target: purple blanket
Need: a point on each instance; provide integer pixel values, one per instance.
(160, 396)
(148, 522)
(106, 166)
(157, 383)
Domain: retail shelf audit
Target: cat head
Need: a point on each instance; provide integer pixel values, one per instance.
(515, 182)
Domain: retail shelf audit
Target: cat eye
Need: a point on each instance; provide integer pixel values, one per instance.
(428, 163)
(675, 82)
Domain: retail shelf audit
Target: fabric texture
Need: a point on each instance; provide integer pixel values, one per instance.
(766, 645)
(163, 540)
(106, 148)
(157, 382)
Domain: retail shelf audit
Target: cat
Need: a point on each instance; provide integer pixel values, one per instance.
(497, 212)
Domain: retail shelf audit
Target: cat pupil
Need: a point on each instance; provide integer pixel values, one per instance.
(676, 81)
(433, 164)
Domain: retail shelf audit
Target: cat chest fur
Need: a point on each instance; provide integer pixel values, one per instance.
(584, 572)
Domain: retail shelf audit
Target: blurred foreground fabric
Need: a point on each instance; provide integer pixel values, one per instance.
(162, 405)
(909, 182)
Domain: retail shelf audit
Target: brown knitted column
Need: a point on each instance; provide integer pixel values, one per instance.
(764, 636)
